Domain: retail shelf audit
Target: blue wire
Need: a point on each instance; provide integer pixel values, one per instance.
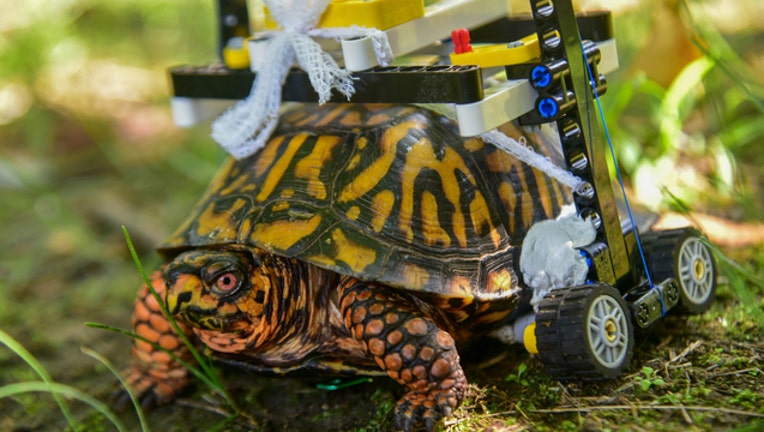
(618, 173)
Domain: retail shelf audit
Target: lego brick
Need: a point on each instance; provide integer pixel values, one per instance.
(379, 14)
(405, 84)
(236, 54)
(187, 112)
(478, 111)
(502, 102)
(212, 81)
(525, 50)
(560, 17)
(514, 98)
(596, 26)
(553, 66)
(419, 84)
(234, 22)
(439, 20)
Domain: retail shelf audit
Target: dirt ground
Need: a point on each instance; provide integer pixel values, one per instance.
(710, 370)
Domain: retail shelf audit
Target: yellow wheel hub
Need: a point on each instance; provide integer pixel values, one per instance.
(611, 330)
(699, 269)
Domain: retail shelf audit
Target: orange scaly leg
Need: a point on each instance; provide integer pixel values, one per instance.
(155, 376)
(410, 347)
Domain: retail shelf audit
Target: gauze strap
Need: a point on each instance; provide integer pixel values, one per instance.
(540, 162)
(246, 127)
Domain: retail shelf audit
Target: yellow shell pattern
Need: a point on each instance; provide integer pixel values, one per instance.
(387, 193)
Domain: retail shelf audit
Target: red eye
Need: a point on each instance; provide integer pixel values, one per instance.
(226, 282)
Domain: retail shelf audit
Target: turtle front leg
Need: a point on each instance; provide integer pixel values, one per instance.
(410, 347)
(155, 376)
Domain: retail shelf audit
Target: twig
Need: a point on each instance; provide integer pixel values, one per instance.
(667, 340)
(686, 415)
(738, 372)
(633, 407)
(203, 406)
(748, 345)
(692, 347)
(241, 417)
(683, 409)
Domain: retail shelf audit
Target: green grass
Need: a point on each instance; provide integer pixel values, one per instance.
(202, 368)
(136, 403)
(47, 385)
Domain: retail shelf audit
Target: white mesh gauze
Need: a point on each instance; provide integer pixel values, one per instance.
(245, 127)
(527, 155)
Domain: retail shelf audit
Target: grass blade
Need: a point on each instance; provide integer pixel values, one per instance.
(205, 370)
(712, 44)
(201, 360)
(678, 97)
(133, 399)
(22, 352)
(737, 276)
(198, 373)
(58, 390)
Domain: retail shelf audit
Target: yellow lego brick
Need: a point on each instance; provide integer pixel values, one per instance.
(529, 339)
(379, 14)
(500, 55)
(236, 55)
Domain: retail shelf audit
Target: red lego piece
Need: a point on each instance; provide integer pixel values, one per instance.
(461, 39)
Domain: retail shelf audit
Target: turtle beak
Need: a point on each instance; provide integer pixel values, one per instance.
(183, 292)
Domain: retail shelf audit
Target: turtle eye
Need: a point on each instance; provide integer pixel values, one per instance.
(226, 283)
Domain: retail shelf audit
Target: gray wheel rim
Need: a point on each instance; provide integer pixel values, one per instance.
(696, 274)
(608, 331)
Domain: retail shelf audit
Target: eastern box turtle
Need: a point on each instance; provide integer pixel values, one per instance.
(360, 239)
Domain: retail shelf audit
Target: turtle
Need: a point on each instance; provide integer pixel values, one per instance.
(361, 239)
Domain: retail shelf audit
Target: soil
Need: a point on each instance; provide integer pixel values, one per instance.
(706, 375)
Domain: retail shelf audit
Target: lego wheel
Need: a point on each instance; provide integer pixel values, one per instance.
(684, 255)
(584, 333)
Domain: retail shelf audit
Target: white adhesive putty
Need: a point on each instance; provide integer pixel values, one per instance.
(514, 332)
(549, 260)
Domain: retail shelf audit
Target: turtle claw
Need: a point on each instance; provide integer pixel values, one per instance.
(149, 401)
(423, 410)
(119, 399)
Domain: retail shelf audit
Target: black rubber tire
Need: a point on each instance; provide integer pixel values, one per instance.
(567, 331)
(684, 255)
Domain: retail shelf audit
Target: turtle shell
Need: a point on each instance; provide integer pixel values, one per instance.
(386, 193)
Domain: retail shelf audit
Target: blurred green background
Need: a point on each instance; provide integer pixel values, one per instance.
(87, 145)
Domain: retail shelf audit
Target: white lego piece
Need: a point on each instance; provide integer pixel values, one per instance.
(258, 48)
(187, 112)
(439, 21)
(358, 54)
(515, 332)
(501, 103)
(609, 61)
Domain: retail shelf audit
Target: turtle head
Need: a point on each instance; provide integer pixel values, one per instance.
(216, 289)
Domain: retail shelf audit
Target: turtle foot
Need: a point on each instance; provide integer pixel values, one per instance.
(423, 410)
